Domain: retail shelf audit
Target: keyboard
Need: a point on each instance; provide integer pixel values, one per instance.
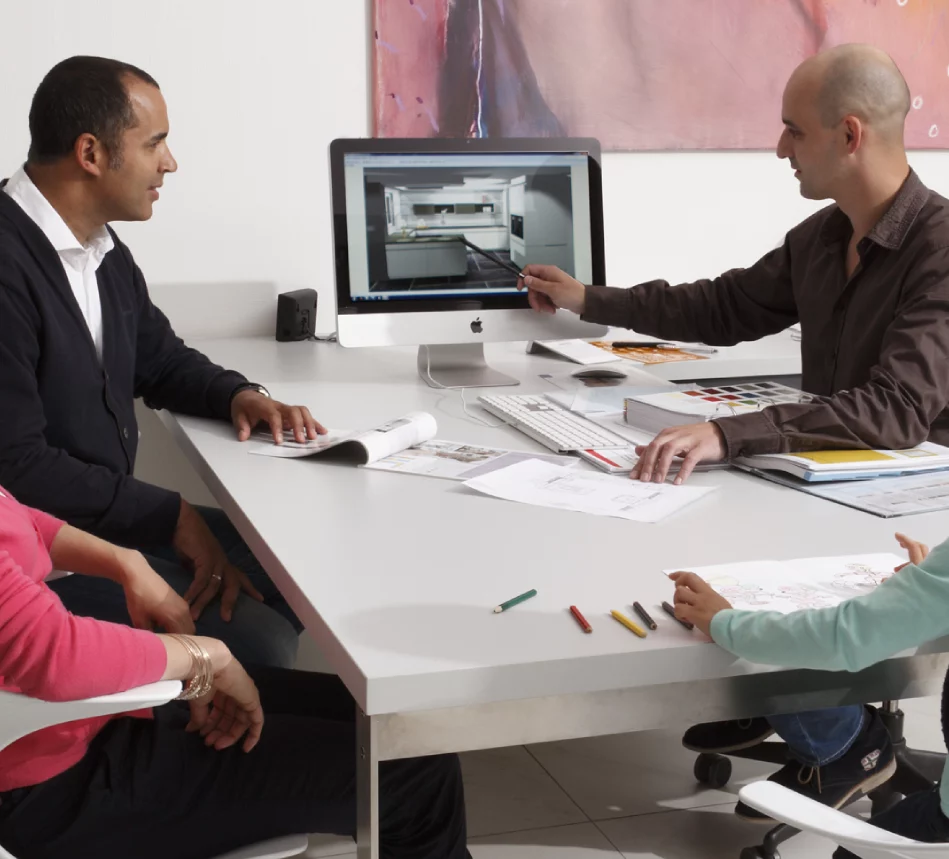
(551, 424)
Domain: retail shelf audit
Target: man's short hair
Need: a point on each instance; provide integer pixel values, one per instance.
(82, 95)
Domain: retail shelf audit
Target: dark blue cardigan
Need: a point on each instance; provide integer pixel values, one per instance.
(68, 434)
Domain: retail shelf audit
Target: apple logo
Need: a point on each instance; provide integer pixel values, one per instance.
(476, 326)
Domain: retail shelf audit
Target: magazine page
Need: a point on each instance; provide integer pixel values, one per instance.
(452, 460)
(261, 443)
(365, 446)
(396, 435)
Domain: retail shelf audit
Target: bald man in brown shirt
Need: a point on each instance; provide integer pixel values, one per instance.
(867, 278)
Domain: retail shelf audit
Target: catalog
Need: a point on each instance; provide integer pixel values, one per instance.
(364, 447)
(822, 465)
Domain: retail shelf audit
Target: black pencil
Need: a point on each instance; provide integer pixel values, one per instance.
(645, 616)
(668, 609)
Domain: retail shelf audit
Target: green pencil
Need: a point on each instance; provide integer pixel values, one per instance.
(511, 603)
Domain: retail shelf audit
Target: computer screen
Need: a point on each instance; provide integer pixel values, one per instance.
(432, 224)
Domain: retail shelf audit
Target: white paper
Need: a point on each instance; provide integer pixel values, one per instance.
(545, 485)
(805, 583)
(457, 461)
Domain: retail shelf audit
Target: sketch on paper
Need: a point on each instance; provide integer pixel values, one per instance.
(806, 583)
(629, 72)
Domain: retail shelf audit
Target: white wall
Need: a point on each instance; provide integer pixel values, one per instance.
(257, 90)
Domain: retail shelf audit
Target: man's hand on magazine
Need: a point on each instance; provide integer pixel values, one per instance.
(250, 408)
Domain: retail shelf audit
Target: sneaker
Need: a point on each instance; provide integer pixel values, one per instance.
(919, 817)
(867, 764)
(724, 737)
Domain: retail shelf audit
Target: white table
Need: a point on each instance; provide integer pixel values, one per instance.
(395, 577)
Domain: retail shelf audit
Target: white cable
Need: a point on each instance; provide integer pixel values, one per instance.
(461, 388)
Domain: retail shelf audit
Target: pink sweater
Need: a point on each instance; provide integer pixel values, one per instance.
(48, 653)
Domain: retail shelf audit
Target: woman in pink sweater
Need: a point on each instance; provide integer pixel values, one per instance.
(183, 782)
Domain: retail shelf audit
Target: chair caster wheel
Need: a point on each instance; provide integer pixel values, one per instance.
(757, 853)
(712, 770)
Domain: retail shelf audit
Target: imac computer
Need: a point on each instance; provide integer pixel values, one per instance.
(431, 234)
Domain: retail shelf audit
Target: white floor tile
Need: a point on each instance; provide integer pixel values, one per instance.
(507, 790)
(583, 841)
(322, 846)
(701, 833)
(642, 773)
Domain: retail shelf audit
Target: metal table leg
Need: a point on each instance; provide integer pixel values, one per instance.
(367, 787)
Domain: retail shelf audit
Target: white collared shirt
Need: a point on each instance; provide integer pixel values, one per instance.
(80, 262)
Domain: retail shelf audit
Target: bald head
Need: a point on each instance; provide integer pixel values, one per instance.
(861, 81)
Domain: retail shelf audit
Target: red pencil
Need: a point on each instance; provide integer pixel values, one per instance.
(580, 619)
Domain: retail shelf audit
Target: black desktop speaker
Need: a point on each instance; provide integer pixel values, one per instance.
(296, 314)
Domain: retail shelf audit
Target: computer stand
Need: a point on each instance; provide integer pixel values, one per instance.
(459, 365)
(916, 770)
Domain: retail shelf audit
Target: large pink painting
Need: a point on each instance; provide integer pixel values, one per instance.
(637, 74)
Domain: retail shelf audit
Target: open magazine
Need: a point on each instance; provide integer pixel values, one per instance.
(405, 445)
(364, 447)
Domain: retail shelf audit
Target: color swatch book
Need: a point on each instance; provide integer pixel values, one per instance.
(805, 583)
(826, 465)
(691, 404)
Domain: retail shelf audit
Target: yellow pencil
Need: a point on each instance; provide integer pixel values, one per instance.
(632, 627)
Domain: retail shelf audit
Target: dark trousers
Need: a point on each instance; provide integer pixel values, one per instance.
(264, 633)
(147, 789)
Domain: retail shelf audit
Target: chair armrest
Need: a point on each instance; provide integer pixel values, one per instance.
(808, 815)
(150, 695)
(21, 715)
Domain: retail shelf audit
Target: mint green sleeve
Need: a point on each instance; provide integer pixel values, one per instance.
(908, 609)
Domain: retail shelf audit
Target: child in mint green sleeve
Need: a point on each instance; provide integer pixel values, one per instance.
(907, 610)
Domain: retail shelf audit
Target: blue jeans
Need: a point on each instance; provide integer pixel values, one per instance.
(819, 737)
(264, 633)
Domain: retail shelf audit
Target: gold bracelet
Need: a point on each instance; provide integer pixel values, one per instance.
(202, 680)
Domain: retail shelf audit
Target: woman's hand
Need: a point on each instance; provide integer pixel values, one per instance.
(150, 599)
(231, 711)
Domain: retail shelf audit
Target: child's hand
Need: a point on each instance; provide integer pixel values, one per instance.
(696, 601)
(917, 551)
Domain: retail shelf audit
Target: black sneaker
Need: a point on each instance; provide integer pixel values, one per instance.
(724, 737)
(868, 763)
(919, 817)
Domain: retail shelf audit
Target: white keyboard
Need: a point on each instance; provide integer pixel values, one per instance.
(550, 424)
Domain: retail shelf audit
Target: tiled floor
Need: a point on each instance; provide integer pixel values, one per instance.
(631, 796)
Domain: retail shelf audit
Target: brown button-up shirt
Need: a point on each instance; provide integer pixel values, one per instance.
(874, 347)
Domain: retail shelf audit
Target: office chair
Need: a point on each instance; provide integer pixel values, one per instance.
(861, 838)
(21, 715)
(915, 770)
